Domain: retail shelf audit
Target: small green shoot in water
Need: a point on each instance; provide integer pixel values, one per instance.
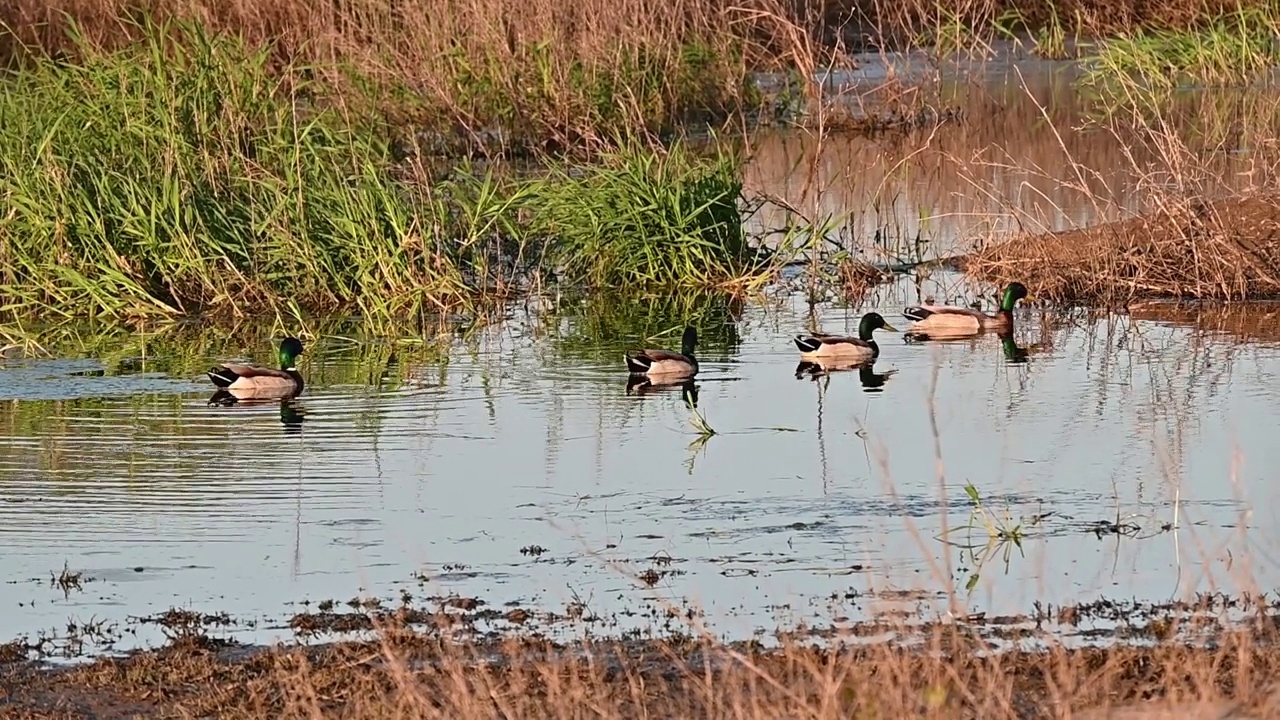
(700, 424)
(1003, 535)
(702, 428)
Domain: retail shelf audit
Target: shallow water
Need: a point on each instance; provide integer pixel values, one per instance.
(1030, 151)
(524, 434)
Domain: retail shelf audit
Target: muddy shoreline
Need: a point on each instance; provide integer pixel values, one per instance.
(402, 674)
(1217, 650)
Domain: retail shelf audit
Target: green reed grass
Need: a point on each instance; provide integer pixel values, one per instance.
(477, 75)
(174, 176)
(186, 174)
(1232, 49)
(642, 219)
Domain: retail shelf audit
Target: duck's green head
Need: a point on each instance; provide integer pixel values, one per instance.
(871, 322)
(1012, 294)
(290, 349)
(689, 341)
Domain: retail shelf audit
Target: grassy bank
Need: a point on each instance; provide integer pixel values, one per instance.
(1191, 249)
(186, 173)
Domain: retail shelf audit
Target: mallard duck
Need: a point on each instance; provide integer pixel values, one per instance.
(252, 381)
(943, 320)
(665, 362)
(823, 345)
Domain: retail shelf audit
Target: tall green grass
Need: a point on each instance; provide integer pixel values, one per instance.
(185, 174)
(1232, 49)
(643, 219)
(182, 174)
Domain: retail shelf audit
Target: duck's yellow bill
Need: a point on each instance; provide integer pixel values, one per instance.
(890, 328)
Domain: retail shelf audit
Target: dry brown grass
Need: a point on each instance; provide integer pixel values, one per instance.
(412, 677)
(905, 20)
(560, 71)
(560, 74)
(1223, 250)
(364, 29)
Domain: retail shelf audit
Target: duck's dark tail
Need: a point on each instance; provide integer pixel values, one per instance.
(807, 344)
(637, 363)
(916, 313)
(222, 377)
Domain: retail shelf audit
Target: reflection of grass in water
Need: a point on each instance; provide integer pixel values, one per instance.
(186, 349)
(606, 324)
(703, 429)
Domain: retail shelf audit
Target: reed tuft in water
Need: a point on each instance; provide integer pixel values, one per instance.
(642, 218)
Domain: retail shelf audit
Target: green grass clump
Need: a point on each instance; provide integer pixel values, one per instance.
(640, 218)
(1232, 49)
(181, 173)
(185, 173)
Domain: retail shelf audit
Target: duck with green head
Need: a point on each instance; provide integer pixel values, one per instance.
(253, 381)
(666, 362)
(951, 320)
(816, 346)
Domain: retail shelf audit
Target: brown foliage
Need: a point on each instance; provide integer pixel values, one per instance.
(557, 71)
(401, 35)
(411, 676)
(1221, 250)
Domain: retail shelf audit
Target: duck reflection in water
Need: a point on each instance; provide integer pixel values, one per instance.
(1014, 354)
(872, 381)
(642, 385)
(291, 415)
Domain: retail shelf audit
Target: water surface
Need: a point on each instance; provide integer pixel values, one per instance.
(525, 434)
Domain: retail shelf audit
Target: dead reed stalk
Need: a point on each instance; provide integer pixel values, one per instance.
(1220, 250)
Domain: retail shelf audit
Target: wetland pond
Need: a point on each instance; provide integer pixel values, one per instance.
(516, 467)
(1129, 456)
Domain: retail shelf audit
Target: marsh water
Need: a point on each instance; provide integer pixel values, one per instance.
(1130, 455)
(1135, 454)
